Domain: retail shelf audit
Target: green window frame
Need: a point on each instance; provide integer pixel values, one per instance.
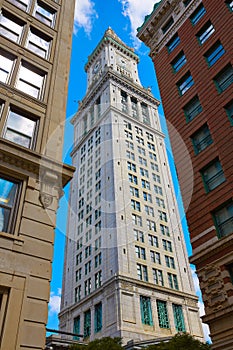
(146, 312)
(229, 4)
(229, 111)
(162, 314)
(98, 317)
(192, 108)
(173, 43)
(185, 83)
(214, 53)
(87, 324)
(206, 31)
(76, 327)
(223, 219)
(179, 62)
(197, 14)
(224, 78)
(212, 175)
(201, 139)
(178, 318)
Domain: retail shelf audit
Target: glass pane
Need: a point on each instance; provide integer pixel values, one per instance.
(7, 192)
(10, 29)
(30, 82)
(38, 45)
(22, 4)
(45, 16)
(17, 138)
(5, 68)
(21, 124)
(4, 219)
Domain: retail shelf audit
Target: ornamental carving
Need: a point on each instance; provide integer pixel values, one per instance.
(48, 180)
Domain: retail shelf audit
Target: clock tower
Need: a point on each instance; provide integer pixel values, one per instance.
(126, 270)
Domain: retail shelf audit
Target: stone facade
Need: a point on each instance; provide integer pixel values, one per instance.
(34, 67)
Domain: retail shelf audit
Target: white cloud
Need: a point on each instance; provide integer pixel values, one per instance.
(55, 302)
(136, 10)
(84, 16)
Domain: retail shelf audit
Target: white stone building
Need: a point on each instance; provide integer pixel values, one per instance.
(126, 268)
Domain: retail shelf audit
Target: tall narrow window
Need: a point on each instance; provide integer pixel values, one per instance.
(173, 281)
(158, 277)
(173, 43)
(45, 14)
(179, 61)
(167, 25)
(201, 139)
(38, 43)
(134, 106)
(76, 328)
(185, 83)
(124, 105)
(87, 324)
(11, 26)
(8, 202)
(197, 14)
(178, 318)
(20, 129)
(162, 314)
(30, 80)
(223, 219)
(213, 175)
(4, 292)
(146, 313)
(214, 53)
(145, 113)
(6, 65)
(229, 111)
(224, 78)
(98, 317)
(205, 32)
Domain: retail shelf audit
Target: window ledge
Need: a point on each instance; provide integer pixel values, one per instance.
(17, 241)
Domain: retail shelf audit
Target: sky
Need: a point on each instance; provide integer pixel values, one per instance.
(92, 19)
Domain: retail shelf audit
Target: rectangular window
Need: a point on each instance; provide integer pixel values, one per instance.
(140, 252)
(167, 245)
(11, 27)
(45, 14)
(178, 62)
(214, 53)
(170, 262)
(197, 14)
(31, 80)
(134, 192)
(133, 179)
(134, 106)
(162, 215)
(151, 225)
(6, 65)
(186, 2)
(155, 257)
(192, 108)
(229, 111)
(98, 317)
(212, 175)
(142, 272)
(205, 32)
(87, 324)
(223, 219)
(138, 236)
(162, 314)
(164, 230)
(137, 220)
(158, 190)
(22, 4)
(135, 205)
(201, 139)
(224, 78)
(38, 43)
(229, 3)
(20, 129)
(9, 194)
(98, 279)
(185, 83)
(153, 241)
(173, 43)
(76, 328)
(77, 294)
(147, 197)
(158, 277)
(146, 312)
(172, 281)
(178, 318)
(167, 25)
(124, 105)
(131, 166)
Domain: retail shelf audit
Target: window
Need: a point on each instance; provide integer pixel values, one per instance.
(154, 167)
(149, 136)
(212, 175)
(162, 215)
(98, 186)
(162, 314)
(147, 197)
(223, 219)
(133, 179)
(178, 318)
(151, 225)
(153, 156)
(158, 277)
(45, 14)
(229, 3)
(173, 43)
(192, 108)
(170, 262)
(149, 210)
(11, 27)
(158, 190)
(9, 192)
(87, 286)
(145, 113)
(144, 172)
(155, 257)
(186, 2)
(172, 281)
(167, 245)
(224, 78)
(98, 317)
(131, 166)
(124, 105)
(76, 327)
(229, 110)
(78, 275)
(22, 4)
(98, 279)
(38, 43)
(153, 241)
(6, 65)
(87, 324)
(197, 14)
(135, 205)
(146, 313)
(134, 107)
(20, 129)
(129, 144)
(160, 202)
(77, 294)
(128, 134)
(164, 230)
(205, 32)
(138, 236)
(130, 155)
(142, 272)
(88, 267)
(142, 161)
(137, 220)
(167, 25)
(178, 62)
(140, 140)
(201, 139)
(134, 192)
(185, 83)
(98, 260)
(145, 184)
(127, 125)
(140, 252)
(141, 151)
(151, 146)
(30, 80)
(214, 53)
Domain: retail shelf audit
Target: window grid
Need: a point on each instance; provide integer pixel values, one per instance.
(162, 314)
(178, 318)
(146, 312)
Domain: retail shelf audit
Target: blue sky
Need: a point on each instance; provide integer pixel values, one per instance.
(92, 18)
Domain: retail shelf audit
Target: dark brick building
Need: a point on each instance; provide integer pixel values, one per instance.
(191, 46)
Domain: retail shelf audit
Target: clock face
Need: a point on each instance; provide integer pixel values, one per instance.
(96, 67)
